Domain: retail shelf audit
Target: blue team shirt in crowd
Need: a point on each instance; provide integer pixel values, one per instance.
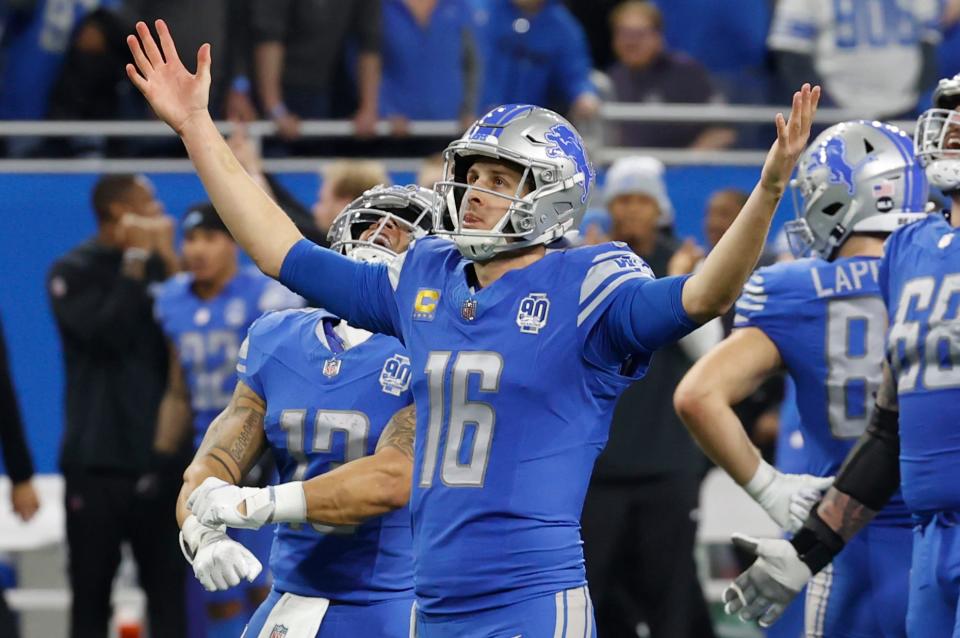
(828, 322)
(325, 409)
(207, 334)
(515, 386)
(920, 282)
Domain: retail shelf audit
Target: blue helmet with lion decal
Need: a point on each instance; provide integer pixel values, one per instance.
(554, 187)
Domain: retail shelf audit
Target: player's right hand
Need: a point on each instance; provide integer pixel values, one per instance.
(218, 561)
(786, 498)
(765, 589)
(175, 94)
(215, 503)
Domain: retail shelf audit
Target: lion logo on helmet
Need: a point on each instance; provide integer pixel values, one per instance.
(564, 142)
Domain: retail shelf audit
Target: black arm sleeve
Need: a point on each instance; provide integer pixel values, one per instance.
(16, 456)
(871, 472)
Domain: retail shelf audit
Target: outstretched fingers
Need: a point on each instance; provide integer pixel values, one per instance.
(136, 78)
(149, 46)
(138, 56)
(203, 60)
(166, 42)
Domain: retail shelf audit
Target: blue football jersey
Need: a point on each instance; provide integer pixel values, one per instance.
(828, 322)
(207, 334)
(515, 386)
(920, 281)
(324, 410)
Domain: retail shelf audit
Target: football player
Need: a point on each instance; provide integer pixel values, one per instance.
(822, 319)
(318, 395)
(518, 349)
(911, 441)
(205, 313)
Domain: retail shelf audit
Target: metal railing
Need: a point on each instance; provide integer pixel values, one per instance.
(603, 154)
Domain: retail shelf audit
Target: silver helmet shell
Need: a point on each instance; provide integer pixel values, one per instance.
(553, 159)
(937, 136)
(855, 177)
(410, 208)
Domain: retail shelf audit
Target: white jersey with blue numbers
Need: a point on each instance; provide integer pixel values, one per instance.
(828, 322)
(515, 386)
(920, 281)
(323, 410)
(207, 334)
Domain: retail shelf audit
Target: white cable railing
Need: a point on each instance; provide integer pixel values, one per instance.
(610, 113)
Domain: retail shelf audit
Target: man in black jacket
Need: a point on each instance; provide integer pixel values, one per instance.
(116, 361)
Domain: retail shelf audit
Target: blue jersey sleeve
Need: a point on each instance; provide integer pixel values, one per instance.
(752, 309)
(250, 363)
(363, 294)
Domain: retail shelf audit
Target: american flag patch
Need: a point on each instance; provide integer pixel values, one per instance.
(883, 190)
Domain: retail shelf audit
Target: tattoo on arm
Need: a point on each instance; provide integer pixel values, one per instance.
(844, 514)
(236, 438)
(400, 431)
(887, 393)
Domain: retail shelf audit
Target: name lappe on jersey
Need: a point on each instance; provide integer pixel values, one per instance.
(533, 311)
(395, 376)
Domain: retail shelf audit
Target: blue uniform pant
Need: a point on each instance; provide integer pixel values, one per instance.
(863, 593)
(565, 614)
(387, 619)
(935, 578)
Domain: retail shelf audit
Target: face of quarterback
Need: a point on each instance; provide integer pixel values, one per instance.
(951, 141)
(210, 255)
(482, 211)
(391, 235)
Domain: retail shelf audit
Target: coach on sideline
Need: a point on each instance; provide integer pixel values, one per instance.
(116, 363)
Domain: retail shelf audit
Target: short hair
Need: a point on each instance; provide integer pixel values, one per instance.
(349, 179)
(108, 190)
(648, 9)
(738, 195)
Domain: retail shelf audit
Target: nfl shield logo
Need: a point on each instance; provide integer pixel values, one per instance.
(331, 368)
(532, 315)
(395, 376)
(469, 309)
(278, 631)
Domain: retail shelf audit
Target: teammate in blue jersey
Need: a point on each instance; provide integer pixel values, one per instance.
(822, 319)
(205, 314)
(322, 394)
(912, 439)
(518, 349)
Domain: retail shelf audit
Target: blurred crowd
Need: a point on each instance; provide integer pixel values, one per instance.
(451, 60)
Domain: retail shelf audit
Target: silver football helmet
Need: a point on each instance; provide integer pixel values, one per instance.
(555, 167)
(360, 230)
(856, 177)
(937, 136)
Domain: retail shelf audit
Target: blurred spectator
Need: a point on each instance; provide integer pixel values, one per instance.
(116, 365)
(342, 182)
(647, 72)
(875, 59)
(594, 16)
(535, 52)
(595, 228)
(298, 47)
(431, 171)
(640, 516)
(640, 177)
(430, 62)
(16, 459)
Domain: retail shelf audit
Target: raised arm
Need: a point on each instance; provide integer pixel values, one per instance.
(180, 98)
(713, 289)
(361, 489)
(704, 400)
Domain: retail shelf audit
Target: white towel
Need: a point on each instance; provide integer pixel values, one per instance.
(295, 617)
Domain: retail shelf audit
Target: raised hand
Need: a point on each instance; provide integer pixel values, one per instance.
(765, 589)
(175, 94)
(792, 137)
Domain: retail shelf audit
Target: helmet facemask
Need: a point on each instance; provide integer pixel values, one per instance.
(937, 146)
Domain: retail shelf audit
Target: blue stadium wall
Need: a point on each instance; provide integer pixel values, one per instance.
(45, 215)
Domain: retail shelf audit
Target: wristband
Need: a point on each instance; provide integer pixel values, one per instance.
(241, 84)
(286, 503)
(816, 543)
(762, 478)
(135, 254)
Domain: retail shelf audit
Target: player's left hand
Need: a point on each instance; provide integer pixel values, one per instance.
(765, 589)
(216, 502)
(786, 498)
(792, 137)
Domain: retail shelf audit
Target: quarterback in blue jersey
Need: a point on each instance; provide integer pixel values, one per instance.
(323, 394)
(823, 320)
(205, 314)
(911, 441)
(519, 346)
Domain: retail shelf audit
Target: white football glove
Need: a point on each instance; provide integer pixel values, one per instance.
(217, 502)
(765, 589)
(787, 498)
(218, 561)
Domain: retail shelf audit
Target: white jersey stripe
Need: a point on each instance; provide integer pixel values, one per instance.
(394, 268)
(613, 285)
(558, 618)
